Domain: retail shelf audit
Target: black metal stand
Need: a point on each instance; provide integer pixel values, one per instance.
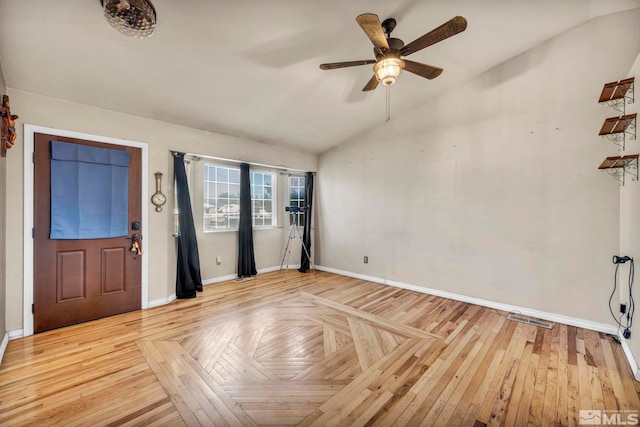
(293, 233)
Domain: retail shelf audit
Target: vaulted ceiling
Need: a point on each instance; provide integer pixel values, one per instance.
(249, 68)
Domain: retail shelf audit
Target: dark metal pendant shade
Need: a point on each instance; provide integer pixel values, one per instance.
(134, 18)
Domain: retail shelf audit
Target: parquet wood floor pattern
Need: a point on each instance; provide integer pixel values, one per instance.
(312, 349)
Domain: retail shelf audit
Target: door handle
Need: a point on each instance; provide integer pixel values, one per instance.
(136, 243)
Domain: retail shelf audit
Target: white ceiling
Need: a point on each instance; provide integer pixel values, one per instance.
(249, 68)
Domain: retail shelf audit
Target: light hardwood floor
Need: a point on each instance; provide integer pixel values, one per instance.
(313, 349)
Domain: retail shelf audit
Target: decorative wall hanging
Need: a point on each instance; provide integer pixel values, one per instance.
(158, 199)
(8, 127)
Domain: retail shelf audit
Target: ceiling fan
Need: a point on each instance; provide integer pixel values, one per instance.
(388, 51)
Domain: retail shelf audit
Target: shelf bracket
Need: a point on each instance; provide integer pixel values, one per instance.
(629, 96)
(631, 130)
(619, 167)
(617, 174)
(618, 139)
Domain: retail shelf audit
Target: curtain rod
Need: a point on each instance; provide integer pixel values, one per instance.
(280, 168)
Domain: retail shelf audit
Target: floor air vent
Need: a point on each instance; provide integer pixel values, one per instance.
(533, 322)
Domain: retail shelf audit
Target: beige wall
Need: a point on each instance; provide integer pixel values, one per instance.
(3, 225)
(161, 137)
(630, 223)
(491, 190)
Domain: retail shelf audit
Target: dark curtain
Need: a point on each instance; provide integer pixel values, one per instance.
(188, 279)
(246, 260)
(306, 236)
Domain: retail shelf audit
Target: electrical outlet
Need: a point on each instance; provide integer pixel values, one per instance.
(219, 260)
(623, 308)
(366, 259)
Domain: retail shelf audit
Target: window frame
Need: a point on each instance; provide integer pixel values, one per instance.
(300, 217)
(274, 198)
(235, 167)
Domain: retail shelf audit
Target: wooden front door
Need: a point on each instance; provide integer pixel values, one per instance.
(80, 280)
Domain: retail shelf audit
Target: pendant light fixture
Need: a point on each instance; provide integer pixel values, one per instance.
(133, 18)
(388, 69)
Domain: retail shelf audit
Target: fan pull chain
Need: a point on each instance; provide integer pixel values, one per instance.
(388, 103)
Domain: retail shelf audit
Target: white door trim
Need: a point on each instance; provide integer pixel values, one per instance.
(29, 131)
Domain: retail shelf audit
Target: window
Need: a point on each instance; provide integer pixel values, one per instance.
(222, 197)
(296, 198)
(262, 198)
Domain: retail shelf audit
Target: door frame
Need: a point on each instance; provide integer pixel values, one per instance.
(29, 135)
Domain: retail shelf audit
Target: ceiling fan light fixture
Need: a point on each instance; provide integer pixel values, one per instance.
(133, 18)
(388, 69)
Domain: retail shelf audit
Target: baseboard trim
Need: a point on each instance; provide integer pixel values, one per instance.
(630, 358)
(3, 345)
(219, 279)
(15, 334)
(557, 318)
(161, 301)
(235, 276)
(277, 268)
(206, 282)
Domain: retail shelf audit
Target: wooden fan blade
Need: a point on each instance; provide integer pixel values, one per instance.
(423, 70)
(334, 65)
(372, 27)
(444, 31)
(371, 84)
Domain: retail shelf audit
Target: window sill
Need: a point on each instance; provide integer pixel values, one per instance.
(227, 230)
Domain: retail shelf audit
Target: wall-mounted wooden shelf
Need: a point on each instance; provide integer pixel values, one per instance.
(618, 161)
(617, 94)
(618, 166)
(617, 124)
(617, 128)
(616, 90)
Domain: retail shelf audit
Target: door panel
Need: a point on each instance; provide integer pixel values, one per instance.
(113, 270)
(80, 280)
(71, 281)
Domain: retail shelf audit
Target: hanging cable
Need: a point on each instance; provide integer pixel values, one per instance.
(615, 285)
(630, 310)
(632, 305)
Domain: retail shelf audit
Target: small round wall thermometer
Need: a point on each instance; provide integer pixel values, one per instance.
(158, 198)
